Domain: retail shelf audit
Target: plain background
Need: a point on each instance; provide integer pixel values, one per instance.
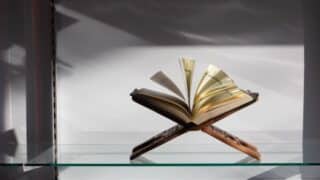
(107, 49)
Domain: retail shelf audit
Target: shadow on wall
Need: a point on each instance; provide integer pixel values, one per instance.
(204, 22)
(280, 173)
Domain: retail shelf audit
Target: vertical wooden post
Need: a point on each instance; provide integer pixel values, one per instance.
(4, 42)
(39, 72)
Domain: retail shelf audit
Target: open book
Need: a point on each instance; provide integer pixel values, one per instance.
(216, 97)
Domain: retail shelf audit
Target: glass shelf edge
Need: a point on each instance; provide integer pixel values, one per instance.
(156, 165)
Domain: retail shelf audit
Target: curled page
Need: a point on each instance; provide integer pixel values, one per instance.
(213, 82)
(187, 66)
(212, 78)
(163, 80)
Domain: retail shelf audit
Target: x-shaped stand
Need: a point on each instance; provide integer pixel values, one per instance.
(206, 127)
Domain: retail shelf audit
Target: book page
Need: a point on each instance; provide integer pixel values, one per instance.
(223, 108)
(164, 104)
(217, 99)
(213, 77)
(187, 65)
(163, 80)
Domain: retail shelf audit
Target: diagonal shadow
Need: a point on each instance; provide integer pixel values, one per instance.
(279, 173)
(192, 22)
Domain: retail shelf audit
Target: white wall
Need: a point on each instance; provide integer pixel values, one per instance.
(108, 63)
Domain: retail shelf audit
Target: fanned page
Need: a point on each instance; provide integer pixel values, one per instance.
(187, 66)
(216, 94)
(213, 80)
(213, 84)
(162, 79)
(241, 99)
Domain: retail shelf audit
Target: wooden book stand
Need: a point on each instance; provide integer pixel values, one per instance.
(206, 127)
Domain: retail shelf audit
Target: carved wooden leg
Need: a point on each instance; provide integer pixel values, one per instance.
(232, 141)
(158, 140)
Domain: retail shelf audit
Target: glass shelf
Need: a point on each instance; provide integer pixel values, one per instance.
(192, 150)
